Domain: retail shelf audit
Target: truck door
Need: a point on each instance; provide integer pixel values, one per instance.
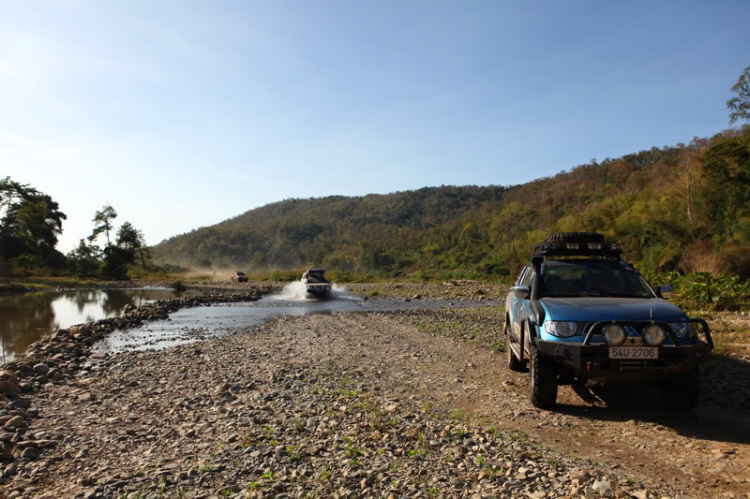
(521, 310)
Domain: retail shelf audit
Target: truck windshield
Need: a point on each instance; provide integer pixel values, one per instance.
(315, 277)
(593, 278)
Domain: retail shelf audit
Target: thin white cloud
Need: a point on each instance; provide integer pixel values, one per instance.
(14, 139)
(35, 88)
(236, 176)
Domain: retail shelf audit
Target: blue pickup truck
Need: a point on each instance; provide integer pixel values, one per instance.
(578, 314)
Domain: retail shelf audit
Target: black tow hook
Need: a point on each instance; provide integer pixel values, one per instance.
(561, 353)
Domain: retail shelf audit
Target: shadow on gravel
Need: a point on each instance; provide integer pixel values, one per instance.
(722, 413)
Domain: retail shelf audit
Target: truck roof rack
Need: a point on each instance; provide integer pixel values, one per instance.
(578, 244)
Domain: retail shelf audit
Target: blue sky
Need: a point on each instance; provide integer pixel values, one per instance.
(184, 113)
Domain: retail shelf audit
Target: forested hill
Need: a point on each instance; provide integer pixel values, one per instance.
(685, 207)
(296, 232)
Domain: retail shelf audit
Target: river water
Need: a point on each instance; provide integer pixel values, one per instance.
(26, 318)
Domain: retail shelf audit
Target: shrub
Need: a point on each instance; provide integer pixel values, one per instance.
(735, 259)
(284, 276)
(341, 276)
(704, 290)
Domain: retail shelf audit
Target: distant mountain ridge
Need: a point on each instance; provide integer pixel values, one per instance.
(295, 232)
(677, 207)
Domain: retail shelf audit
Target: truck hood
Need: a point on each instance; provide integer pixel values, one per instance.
(591, 309)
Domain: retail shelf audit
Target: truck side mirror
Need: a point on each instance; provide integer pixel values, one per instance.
(522, 292)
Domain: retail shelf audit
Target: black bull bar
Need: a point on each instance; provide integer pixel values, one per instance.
(587, 361)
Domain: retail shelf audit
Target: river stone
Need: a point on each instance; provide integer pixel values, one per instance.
(22, 403)
(10, 389)
(15, 422)
(41, 368)
(603, 488)
(8, 375)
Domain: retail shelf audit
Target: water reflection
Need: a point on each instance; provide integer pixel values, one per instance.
(24, 319)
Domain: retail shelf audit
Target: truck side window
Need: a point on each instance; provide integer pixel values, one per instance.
(527, 277)
(520, 276)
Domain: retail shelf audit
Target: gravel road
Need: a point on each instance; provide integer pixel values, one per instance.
(408, 404)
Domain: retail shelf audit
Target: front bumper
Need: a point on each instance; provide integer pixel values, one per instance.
(319, 290)
(589, 362)
(592, 362)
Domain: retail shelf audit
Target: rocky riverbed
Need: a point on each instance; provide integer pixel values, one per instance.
(60, 357)
(277, 412)
(375, 404)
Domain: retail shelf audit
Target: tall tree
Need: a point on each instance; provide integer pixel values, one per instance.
(128, 237)
(727, 168)
(103, 223)
(131, 239)
(30, 221)
(740, 105)
(84, 261)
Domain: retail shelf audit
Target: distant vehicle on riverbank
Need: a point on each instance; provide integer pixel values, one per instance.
(238, 276)
(315, 283)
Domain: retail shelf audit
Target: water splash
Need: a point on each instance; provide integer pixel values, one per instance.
(339, 292)
(297, 291)
(294, 291)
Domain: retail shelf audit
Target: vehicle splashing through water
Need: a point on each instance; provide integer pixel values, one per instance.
(297, 291)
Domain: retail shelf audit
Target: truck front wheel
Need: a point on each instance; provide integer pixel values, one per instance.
(543, 381)
(681, 395)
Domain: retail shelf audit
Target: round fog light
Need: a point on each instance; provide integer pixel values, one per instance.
(614, 335)
(654, 335)
(680, 329)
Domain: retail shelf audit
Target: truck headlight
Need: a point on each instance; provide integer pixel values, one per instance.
(614, 335)
(654, 335)
(681, 329)
(561, 329)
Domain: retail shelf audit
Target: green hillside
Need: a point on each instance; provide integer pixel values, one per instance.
(683, 207)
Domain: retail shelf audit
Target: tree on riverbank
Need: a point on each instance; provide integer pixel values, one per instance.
(114, 261)
(30, 224)
(84, 261)
(132, 240)
(103, 223)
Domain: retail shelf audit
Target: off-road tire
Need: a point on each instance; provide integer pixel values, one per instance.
(577, 237)
(513, 363)
(681, 395)
(543, 374)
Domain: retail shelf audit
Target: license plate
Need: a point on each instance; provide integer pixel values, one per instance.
(634, 353)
